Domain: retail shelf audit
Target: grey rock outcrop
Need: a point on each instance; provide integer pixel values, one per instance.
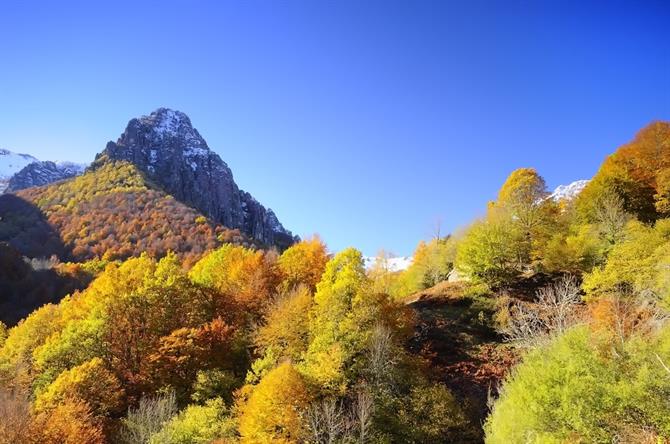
(166, 147)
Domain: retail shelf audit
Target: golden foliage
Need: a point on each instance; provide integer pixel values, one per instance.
(286, 325)
(637, 172)
(272, 414)
(91, 383)
(303, 263)
(114, 212)
(71, 422)
(247, 277)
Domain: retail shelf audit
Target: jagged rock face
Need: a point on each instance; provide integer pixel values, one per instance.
(42, 173)
(166, 147)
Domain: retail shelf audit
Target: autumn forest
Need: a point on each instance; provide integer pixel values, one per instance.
(130, 316)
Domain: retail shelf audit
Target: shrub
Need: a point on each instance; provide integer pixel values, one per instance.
(575, 390)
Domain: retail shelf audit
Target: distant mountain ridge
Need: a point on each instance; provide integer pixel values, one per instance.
(166, 147)
(40, 173)
(396, 263)
(21, 171)
(10, 164)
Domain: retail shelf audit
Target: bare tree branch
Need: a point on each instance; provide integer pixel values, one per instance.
(555, 310)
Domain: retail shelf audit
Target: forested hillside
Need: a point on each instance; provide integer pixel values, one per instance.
(112, 211)
(582, 291)
(544, 321)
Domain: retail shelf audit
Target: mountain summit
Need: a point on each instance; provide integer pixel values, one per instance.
(165, 146)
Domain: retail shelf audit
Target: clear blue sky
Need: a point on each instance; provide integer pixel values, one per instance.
(364, 121)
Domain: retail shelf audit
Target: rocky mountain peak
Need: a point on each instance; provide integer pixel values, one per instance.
(167, 124)
(166, 147)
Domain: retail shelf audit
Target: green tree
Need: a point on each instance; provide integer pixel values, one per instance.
(431, 264)
(577, 250)
(523, 200)
(431, 413)
(334, 330)
(490, 252)
(16, 353)
(638, 263)
(573, 390)
(523, 194)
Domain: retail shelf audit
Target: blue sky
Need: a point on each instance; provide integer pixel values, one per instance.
(364, 121)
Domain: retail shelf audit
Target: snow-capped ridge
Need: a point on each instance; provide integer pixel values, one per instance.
(42, 173)
(10, 164)
(71, 167)
(166, 122)
(569, 191)
(395, 263)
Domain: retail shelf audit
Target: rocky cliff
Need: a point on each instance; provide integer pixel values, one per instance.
(166, 147)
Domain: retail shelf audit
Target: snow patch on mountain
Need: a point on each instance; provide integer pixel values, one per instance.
(398, 263)
(18, 171)
(167, 123)
(73, 168)
(43, 173)
(10, 164)
(568, 192)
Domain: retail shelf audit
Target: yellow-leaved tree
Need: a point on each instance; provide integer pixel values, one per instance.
(90, 382)
(247, 277)
(303, 263)
(335, 328)
(273, 412)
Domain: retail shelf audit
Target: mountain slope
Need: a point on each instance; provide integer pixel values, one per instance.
(11, 163)
(171, 153)
(112, 211)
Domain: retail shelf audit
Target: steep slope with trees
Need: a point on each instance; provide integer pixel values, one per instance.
(112, 211)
